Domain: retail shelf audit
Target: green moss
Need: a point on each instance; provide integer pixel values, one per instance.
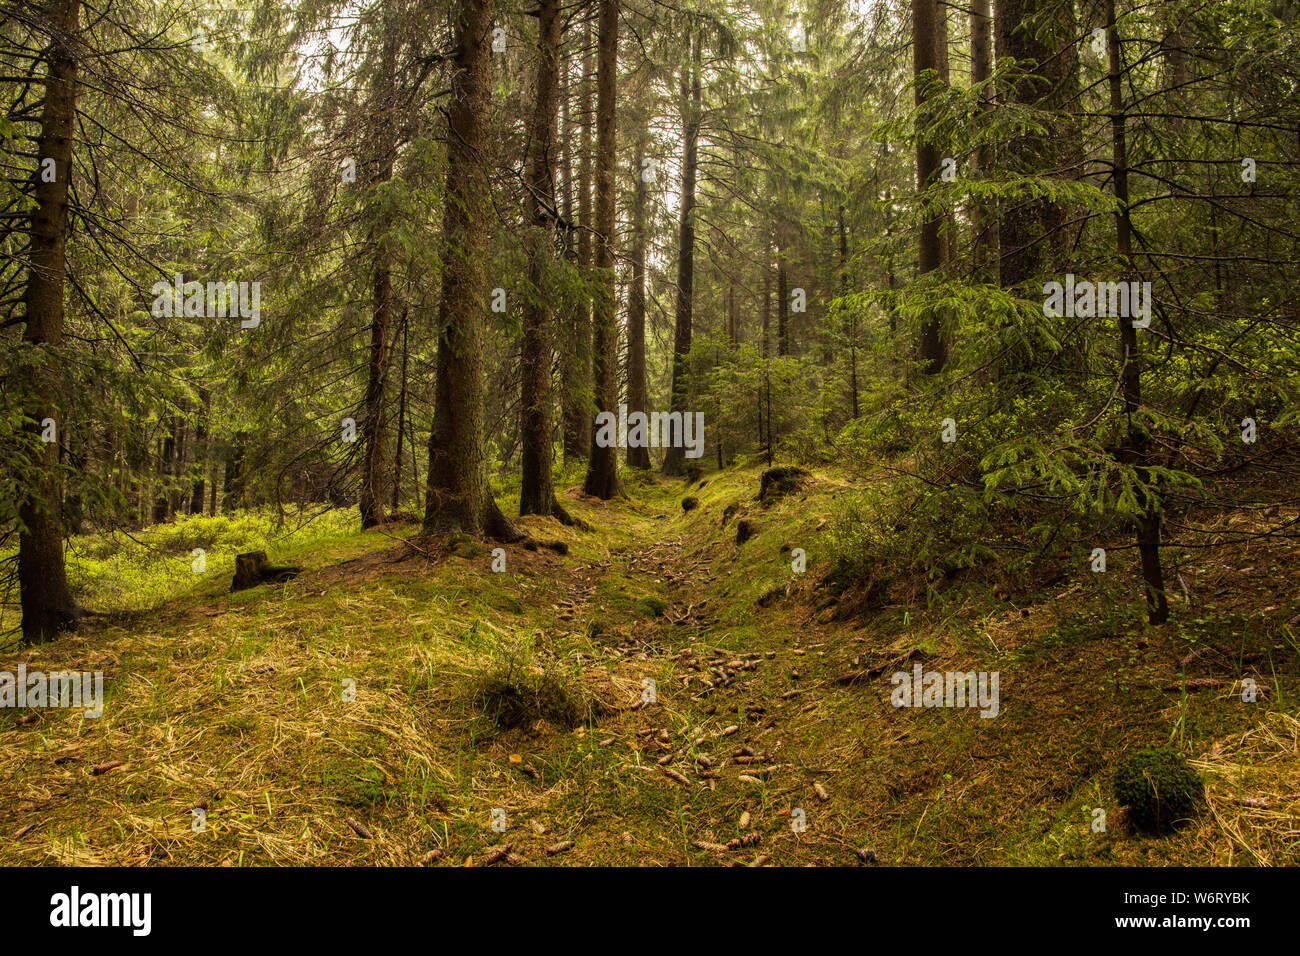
(1157, 788)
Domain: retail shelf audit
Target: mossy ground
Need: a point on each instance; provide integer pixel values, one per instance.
(237, 704)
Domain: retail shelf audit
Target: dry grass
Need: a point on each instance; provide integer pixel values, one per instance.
(235, 704)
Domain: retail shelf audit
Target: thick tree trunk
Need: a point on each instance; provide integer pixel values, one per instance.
(1029, 229)
(602, 466)
(1136, 447)
(691, 92)
(638, 399)
(930, 252)
(537, 493)
(459, 497)
(47, 604)
(374, 453)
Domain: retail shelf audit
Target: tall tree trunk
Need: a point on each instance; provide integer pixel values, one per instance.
(638, 399)
(929, 253)
(374, 461)
(47, 604)
(602, 466)
(459, 497)
(537, 493)
(691, 92)
(1051, 83)
(983, 226)
(1136, 447)
(575, 357)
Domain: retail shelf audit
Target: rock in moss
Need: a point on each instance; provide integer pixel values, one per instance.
(1157, 788)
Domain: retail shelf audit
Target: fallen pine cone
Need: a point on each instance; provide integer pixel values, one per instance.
(497, 854)
(711, 847)
(672, 774)
(103, 768)
(360, 829)
(564, 846)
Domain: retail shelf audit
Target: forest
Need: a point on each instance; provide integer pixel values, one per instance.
(650, 432)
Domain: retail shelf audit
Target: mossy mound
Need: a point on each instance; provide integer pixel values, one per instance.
(776, 482)
(516, 698)
(1157, 788)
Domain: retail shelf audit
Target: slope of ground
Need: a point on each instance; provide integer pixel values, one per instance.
(659, 695)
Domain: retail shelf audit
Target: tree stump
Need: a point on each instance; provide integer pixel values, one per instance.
(252, 568)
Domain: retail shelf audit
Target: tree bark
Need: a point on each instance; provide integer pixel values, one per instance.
(983, 226)
(459, 497)
(373, 432)
(637, 393)
(602, 466)
(691, 92)
(47, 604)
(1136, 447)
(929, 253)
(576, 360)
(537, 492)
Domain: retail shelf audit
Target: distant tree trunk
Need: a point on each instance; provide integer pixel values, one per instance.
(930, 253)
(401, 414)
(162, 506)
(782, 304)
(77, 443)
(691, 92)
(637, 393)
(602, 466)
(766, 344)
(576, 358)
(233, 484)
(202, 452)
(1136, 447)
(459, 497)
(537, 493)
(180, 457)
(47, 604)
(845, 283)
(983, 226)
